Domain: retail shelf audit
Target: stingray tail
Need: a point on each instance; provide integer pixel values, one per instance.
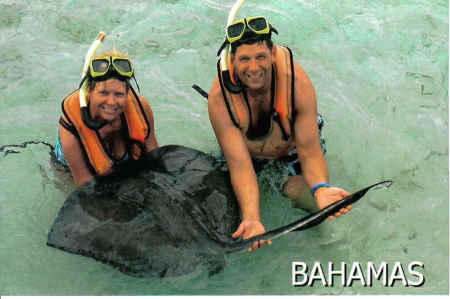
(312, 219)
(200, 91)
(12, 148)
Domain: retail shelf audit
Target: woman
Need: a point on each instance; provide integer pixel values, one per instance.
(115, 124)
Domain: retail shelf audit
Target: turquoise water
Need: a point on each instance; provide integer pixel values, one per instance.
(380, 70)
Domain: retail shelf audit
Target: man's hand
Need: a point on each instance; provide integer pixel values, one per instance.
(251, 228)
(327, 196)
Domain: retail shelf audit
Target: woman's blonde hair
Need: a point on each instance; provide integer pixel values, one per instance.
(112, 52)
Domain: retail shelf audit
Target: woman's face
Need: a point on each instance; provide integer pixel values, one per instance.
(107, 100)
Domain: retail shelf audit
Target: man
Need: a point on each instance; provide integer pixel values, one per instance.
(264, 107)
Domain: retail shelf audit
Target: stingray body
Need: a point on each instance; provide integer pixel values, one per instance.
(164, 215)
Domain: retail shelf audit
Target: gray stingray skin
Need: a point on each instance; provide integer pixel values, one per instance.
(164, 216)
(161, 216)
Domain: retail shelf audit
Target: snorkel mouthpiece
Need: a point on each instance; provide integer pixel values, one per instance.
(226, 78)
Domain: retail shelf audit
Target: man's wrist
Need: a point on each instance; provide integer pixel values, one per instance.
(251, 219)
(318, 186)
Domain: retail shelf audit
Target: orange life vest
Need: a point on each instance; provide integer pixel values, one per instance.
(138, 131)
(284, 93)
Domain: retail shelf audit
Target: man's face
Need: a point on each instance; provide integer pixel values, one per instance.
(253, 65)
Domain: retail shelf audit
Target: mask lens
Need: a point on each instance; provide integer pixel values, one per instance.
(100, 65)
(123, 65)
(235, 30)
(258, 24)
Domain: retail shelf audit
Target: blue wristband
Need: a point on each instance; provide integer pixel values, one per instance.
(317, 186)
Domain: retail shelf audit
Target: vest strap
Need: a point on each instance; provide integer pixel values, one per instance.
(98, 159)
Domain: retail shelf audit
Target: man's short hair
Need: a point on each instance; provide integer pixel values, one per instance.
(248, 39)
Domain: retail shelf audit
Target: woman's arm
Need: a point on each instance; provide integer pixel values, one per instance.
(73, 154)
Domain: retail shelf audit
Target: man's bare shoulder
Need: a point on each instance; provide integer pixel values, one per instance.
(305, 95)
(217, 109)
(215, 97)
(301, 77)
(215, 90)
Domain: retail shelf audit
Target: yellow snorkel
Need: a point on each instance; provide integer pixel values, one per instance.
(90, 53)
(226, 50)
(224, 72)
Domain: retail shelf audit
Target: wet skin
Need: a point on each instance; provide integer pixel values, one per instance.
(253, 65)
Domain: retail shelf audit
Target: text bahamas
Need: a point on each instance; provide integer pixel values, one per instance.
(387, 275)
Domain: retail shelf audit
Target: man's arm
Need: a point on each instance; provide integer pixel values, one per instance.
(243, 177)
(314, 166)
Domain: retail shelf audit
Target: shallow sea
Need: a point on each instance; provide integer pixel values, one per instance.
(380, 70)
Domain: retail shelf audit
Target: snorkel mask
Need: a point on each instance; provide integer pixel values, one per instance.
(111, 66)
(257, 28)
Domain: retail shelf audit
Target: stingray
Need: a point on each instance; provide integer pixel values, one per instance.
(165, 215)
